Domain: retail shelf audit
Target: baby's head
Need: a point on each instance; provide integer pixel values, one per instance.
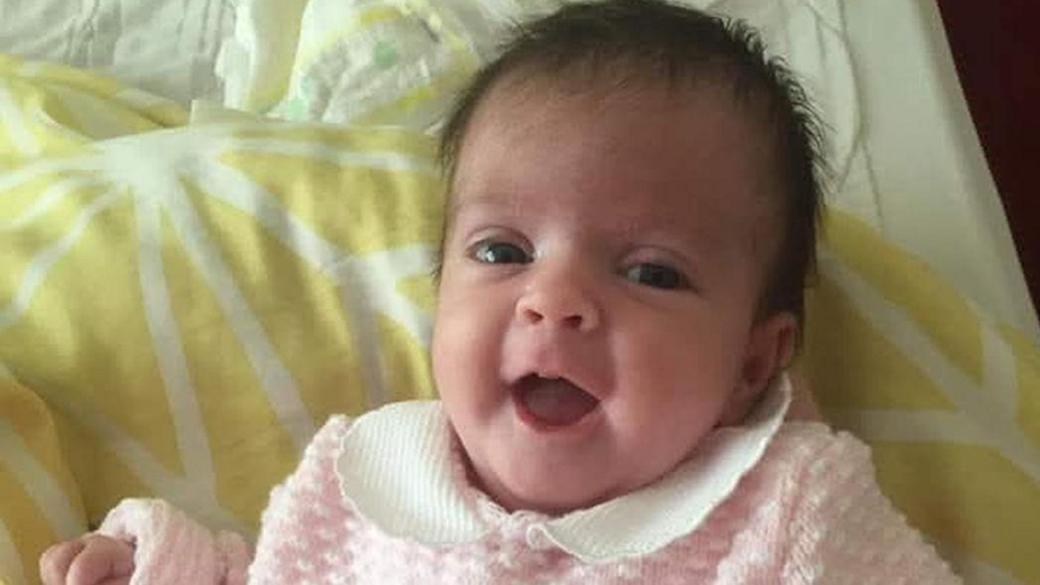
(631, 219)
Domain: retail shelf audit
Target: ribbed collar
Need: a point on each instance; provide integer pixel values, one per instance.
(400, 468)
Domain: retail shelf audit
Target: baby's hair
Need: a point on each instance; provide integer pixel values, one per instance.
(626, 41)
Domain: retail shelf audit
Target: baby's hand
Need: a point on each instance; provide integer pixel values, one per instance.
(89, 560)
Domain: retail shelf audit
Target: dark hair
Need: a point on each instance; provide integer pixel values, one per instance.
(652, 40)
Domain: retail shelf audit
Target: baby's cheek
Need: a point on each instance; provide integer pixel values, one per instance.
(465, 364)
(448, 353)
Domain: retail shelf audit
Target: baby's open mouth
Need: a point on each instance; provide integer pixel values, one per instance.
(554, 402)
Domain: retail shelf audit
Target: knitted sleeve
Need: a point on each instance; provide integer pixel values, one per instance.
(170, 548)
(844, 530)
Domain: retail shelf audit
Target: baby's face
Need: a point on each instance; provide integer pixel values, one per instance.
(600, 275)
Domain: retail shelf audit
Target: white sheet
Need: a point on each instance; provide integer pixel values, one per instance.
(932, 189)
(167, 47)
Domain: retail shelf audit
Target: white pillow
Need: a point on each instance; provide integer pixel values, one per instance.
(165, 47)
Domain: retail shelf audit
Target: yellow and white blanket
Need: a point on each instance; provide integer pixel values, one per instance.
(182, 305)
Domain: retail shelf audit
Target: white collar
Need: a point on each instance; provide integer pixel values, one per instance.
(399, 469)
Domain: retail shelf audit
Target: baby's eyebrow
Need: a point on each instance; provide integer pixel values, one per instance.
(460, 202)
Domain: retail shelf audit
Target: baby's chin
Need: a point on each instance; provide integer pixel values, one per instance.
(551, 505)
(552, 496)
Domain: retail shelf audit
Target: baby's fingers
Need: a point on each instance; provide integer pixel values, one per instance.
(55, 561)
(103, 560)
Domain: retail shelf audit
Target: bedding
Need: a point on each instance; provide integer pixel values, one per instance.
(167, 48)
(182, 305)
(400, 61)
(918, 138)
(227, 327)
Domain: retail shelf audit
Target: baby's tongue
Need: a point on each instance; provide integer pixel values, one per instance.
(557, 402)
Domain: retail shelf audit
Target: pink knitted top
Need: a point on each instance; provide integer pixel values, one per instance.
(386, 500)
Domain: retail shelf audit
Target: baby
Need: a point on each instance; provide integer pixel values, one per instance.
(633, 200)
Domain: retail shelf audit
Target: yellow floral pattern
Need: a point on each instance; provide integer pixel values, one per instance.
(181, 308)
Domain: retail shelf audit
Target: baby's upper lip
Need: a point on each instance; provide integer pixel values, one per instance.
(549, 354)
(577, 376)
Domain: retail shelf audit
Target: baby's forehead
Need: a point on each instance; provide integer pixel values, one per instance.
(650, 134)
(531, 106)
(619, 144)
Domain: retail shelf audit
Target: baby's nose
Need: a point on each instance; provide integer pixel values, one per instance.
(558, 303)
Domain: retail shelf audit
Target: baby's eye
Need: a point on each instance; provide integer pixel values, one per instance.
(656, 275)
(492, 252)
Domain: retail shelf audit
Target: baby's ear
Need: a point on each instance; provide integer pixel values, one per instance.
(769, 350)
